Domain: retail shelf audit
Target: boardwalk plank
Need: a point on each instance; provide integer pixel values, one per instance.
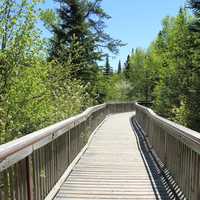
(113, 167)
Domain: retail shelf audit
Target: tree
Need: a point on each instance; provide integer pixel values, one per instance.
(19, 45)
(36, 92)
(168, 72)
(194, 5)
(81, 23)
(119, 68)
(117, 89)
(137, 74)
(127, 67)
(108, 68)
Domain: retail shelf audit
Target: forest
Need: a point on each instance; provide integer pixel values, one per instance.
(45, 80)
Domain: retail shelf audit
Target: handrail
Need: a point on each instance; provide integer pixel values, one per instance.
(177, 147)
(31, 139)
(31, 165)
(191, 137)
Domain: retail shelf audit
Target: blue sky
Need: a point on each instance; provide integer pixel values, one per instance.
(135, 22)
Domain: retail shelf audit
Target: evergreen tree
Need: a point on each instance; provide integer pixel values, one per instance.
(79, 36)
(195, 7)
(119, 68)
(127, 67)
(108, 69)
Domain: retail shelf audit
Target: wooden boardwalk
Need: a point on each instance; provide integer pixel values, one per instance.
(115, 166)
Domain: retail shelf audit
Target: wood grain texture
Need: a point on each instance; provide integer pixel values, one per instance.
(114, 167)
(177, 148)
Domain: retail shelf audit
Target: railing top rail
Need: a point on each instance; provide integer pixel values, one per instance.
(59, 128)
(190, 137)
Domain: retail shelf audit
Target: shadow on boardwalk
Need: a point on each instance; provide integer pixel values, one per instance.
(162, 183)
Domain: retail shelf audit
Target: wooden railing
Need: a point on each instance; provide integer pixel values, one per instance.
(31, 166)
(177, 147)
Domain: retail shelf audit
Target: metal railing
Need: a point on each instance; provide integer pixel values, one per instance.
(177, 147)
(31, 165)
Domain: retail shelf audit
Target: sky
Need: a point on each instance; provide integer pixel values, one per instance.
(135, 22)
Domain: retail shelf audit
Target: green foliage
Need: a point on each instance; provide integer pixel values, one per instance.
(49, 17)
(27, 102)
(108, 69)
(176, 67)
(33, 92)
(41, 94)
(117, 89)
(112, 88)
(81, 26)
(68, 95)
(119, 70)
(194, 5)
(167, 73)
(142, 74)
(20, 47)
(181, 113)
(127, 67)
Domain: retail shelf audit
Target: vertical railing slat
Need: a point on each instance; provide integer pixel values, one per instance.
(179, 154)
(33, 176)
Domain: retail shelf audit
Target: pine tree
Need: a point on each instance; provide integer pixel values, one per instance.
(108, 69)
(119, 68)
(127, 67)
(79, 36)
(195, 7)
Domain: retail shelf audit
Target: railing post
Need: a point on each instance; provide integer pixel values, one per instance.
(198, 178)
(69, 156)
(29, 175)
(37, 170)
(165, 154)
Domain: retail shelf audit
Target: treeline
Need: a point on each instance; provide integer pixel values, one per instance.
(168, 72)
(43, 81)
